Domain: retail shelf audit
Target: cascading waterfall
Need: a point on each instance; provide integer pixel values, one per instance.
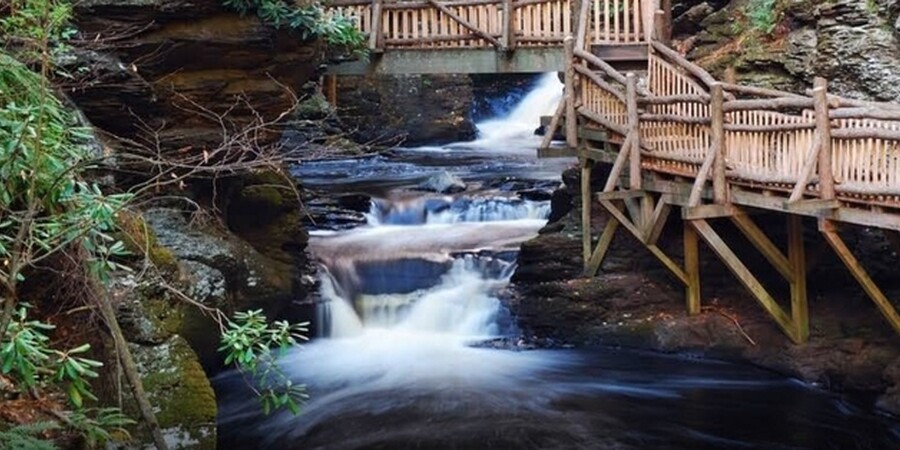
(425, 210)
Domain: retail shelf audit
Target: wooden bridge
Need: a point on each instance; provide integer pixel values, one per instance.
(494, 36)
(675, 136)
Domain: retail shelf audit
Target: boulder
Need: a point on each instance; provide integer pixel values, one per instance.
(443, 183)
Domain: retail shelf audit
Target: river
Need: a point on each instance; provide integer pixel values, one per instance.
(410, 297)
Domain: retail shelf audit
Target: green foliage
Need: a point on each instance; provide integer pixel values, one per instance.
(309, 20)
(100, 425)
(762, 15)
(254, 345)
(26, 356)
(27, 437)
(36, 26)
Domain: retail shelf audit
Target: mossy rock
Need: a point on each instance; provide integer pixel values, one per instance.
(181, 394)
(139, 240)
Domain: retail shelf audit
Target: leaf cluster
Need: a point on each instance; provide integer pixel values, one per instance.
(252, 344)
(310, 21)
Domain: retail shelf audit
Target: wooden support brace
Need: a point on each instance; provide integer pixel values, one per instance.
(826, 227)
(599, 254)
(554, 125)
(586, 169)
(466, 24)
(656, 251)
(621, 195)
(571, 116)
(658, 220)
(803, 206)
(758, 238)
(743, 274)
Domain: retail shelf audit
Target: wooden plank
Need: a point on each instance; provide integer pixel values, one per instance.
(758, 238)
(509, 26)
(674, 268)
(743, 274)
(709, 212)
(619, 165)
(603, 246)
(797, 258)
(692, 269)
(812, 206)
(619, 195)
(581, 30)
(858, 272)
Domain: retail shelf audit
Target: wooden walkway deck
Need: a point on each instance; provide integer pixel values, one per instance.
(492, 36)
(682, 139)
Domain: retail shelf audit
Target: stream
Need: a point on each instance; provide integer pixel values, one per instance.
(410, 298)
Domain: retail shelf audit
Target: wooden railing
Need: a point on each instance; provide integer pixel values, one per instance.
(813, 145)
(500, 24)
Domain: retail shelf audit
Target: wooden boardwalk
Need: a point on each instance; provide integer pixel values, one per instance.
(491, 36)
(675, 136)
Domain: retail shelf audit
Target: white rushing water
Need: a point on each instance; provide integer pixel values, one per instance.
(447, 210)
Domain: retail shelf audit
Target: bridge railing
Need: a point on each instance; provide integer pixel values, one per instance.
(501, 24)
(691, 125)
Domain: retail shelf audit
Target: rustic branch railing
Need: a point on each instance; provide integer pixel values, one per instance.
(809, 146)
(501, 24)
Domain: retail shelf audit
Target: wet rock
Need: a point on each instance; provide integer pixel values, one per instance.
(422, 109)
(169, 53)
(183, 399)
(443, 183)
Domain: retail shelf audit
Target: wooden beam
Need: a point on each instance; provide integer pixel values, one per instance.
(596, 79)
(812, 206)
(797, 258)
(709, 212)
(602, 121)
(810, 159)
(581, 29)
(692, 269)
(699, 186)
(758, 238)
(466, 24)
(619, 165)
(674, 268)
(743, 274)
(856, 269)
(603, 245)
(509, 25)
(620, 195)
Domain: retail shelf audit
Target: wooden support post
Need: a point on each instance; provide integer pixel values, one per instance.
(617, 214)
(606, 238)
(658, 221)
(634, 172)
(376, 36)
(586, 200)
(893, 238)
(550, 131)
(571, 117)
(823, 129)
(758, 238)
(331, 89)
(743, 274)
(797, 257)
(692, 269)
(856, 269)
(717, 139)
(666, 7)
(509, 25)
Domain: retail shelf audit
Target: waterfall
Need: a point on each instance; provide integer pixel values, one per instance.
(446, 210)
(516, 130)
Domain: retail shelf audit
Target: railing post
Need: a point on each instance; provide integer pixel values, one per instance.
(823, 127)
(509, 25)
(581, 24)
(571, 117)
(666, 7)
(376, 35)
(717, 138)
(632, 109)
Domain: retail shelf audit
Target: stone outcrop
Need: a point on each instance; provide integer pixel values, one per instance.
(417, 109)
(855, 44)
(154, 64)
